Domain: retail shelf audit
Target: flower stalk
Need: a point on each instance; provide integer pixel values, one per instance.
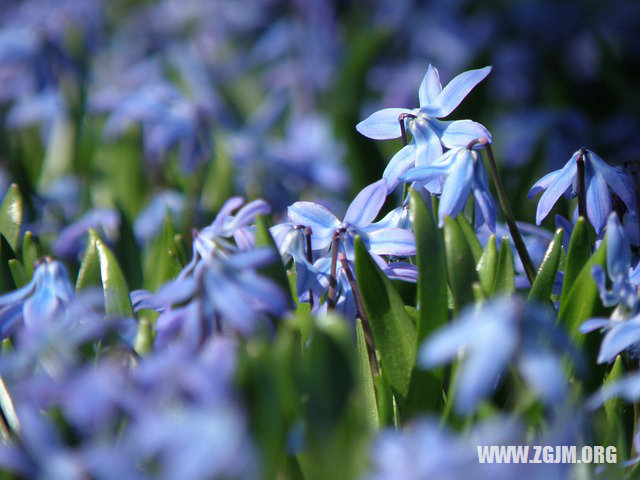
(521, 248)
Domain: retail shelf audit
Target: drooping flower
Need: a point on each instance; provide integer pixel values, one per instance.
(460, 172)
(619, 268)
(503, 330)
(429, 133)
(38, 302)
(599, 178)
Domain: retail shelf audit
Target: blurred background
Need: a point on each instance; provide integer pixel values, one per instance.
(138, 108)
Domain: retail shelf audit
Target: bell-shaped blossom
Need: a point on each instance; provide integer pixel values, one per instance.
(599, 178)
(619, 268)
(38, 302)
(460, 172)
(429, 133)
(490, 337)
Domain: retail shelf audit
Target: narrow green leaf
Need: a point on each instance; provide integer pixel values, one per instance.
(30, 252)
(546, 277)
(504, 281)
(89, 273)
(21, 276)
(158, 262)
(6, 254)
(614, 409)
(578, 254)
(116, 292)
(11, 211)
(274, 270)
(470, 235)
(364, 368)
(393, 332)
(487, 265)
(583, 297)
(128, 253)
(461, 266)
(432, 269)
(218, 180)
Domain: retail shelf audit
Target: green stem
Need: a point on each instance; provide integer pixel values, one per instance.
(521, 248)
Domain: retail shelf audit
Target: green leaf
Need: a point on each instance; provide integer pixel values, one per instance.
(89, 273)
(128, 253)
(11, 211)
(393, 332)
(100, 266)
(487, 265)
(432, 269)
(159, 262)
(30, 252)
(218, 182)
(546, 277)
(583, 297)
(21, 276)
(504, 281)
(275, 270)
(578, 254)
(364, 368)
(461, 266)
(6, 254)
(470, 235)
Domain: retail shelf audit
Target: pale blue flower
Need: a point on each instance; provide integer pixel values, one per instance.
(502, 331)
(460, 171)
(429, 133)
(599, 177)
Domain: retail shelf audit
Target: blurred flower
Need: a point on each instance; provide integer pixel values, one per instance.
(490, 337)
(599, 177)
(463, 172)
(429, 133)
(71, 240)
(38, 302)
(150, 220)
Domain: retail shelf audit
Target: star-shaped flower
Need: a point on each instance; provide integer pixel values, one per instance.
(429, 133)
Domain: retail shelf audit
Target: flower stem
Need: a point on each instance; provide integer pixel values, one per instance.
(582, 190)
(307, 237)
(366, 327)
(521, 248)
(331, 295)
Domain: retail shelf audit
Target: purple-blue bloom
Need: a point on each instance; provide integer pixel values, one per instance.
(38, 302)
(599, 177)
(503, 330)
(460, 171)
(429, 133)
(71, 240)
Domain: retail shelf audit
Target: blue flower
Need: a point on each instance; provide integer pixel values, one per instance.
(501, 331)
(599, 177)
(380, 239)
(37, 303)
(618, 267)
(429, 133)
(621, 335)
(72, 238)
(462, 172)
(151, 219)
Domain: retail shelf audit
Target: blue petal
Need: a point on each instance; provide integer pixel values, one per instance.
(457, 187)
(365, 207)
(40, 309)
(485, 205)
(428, 146)
(392, 241)
(598, 202)
(245, 216)
(618, 250)
(618, 181)
(383, 124)
(455, 91)
(594, 324)
(558, 186)
(543, 183)
(225, 211)
(543, 373)
(402, 161)
(424, 174)
(10, 318)
(460, 133)
(322, 222)
(619, 338)
(430, 87)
